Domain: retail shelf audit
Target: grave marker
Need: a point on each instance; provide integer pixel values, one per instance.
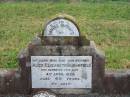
(62, 62)
(62, 66)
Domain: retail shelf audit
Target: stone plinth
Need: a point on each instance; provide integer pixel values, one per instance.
(98, 60)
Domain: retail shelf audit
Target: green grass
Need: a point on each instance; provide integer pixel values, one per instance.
(108, 24)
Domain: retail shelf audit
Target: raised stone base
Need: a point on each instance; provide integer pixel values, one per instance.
(115, 82)
(19, 81)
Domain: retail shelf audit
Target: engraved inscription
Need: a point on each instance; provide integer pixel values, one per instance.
(61, 71)
(61, 27)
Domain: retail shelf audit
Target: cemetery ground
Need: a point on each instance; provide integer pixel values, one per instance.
(107, 23)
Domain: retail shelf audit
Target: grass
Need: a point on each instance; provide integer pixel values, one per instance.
(107, 23)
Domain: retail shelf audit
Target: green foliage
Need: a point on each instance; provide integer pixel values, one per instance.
(108, 24)
(65, 1)
(105, 0)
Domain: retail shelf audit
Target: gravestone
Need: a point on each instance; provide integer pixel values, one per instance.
(62, 61)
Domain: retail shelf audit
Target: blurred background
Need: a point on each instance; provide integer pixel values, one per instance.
(107, 22)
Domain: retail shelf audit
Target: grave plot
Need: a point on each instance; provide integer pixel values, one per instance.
(61, 61)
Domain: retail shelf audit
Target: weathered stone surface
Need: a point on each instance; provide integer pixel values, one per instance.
(72, 50)
(25, 73)
(117, 81)
(76, 41)
(7, 81)
(19, 81)
(2, 81)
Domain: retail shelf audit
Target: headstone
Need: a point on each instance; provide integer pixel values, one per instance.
(62, 61)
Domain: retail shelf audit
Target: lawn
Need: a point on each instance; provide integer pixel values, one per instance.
(107, 23)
